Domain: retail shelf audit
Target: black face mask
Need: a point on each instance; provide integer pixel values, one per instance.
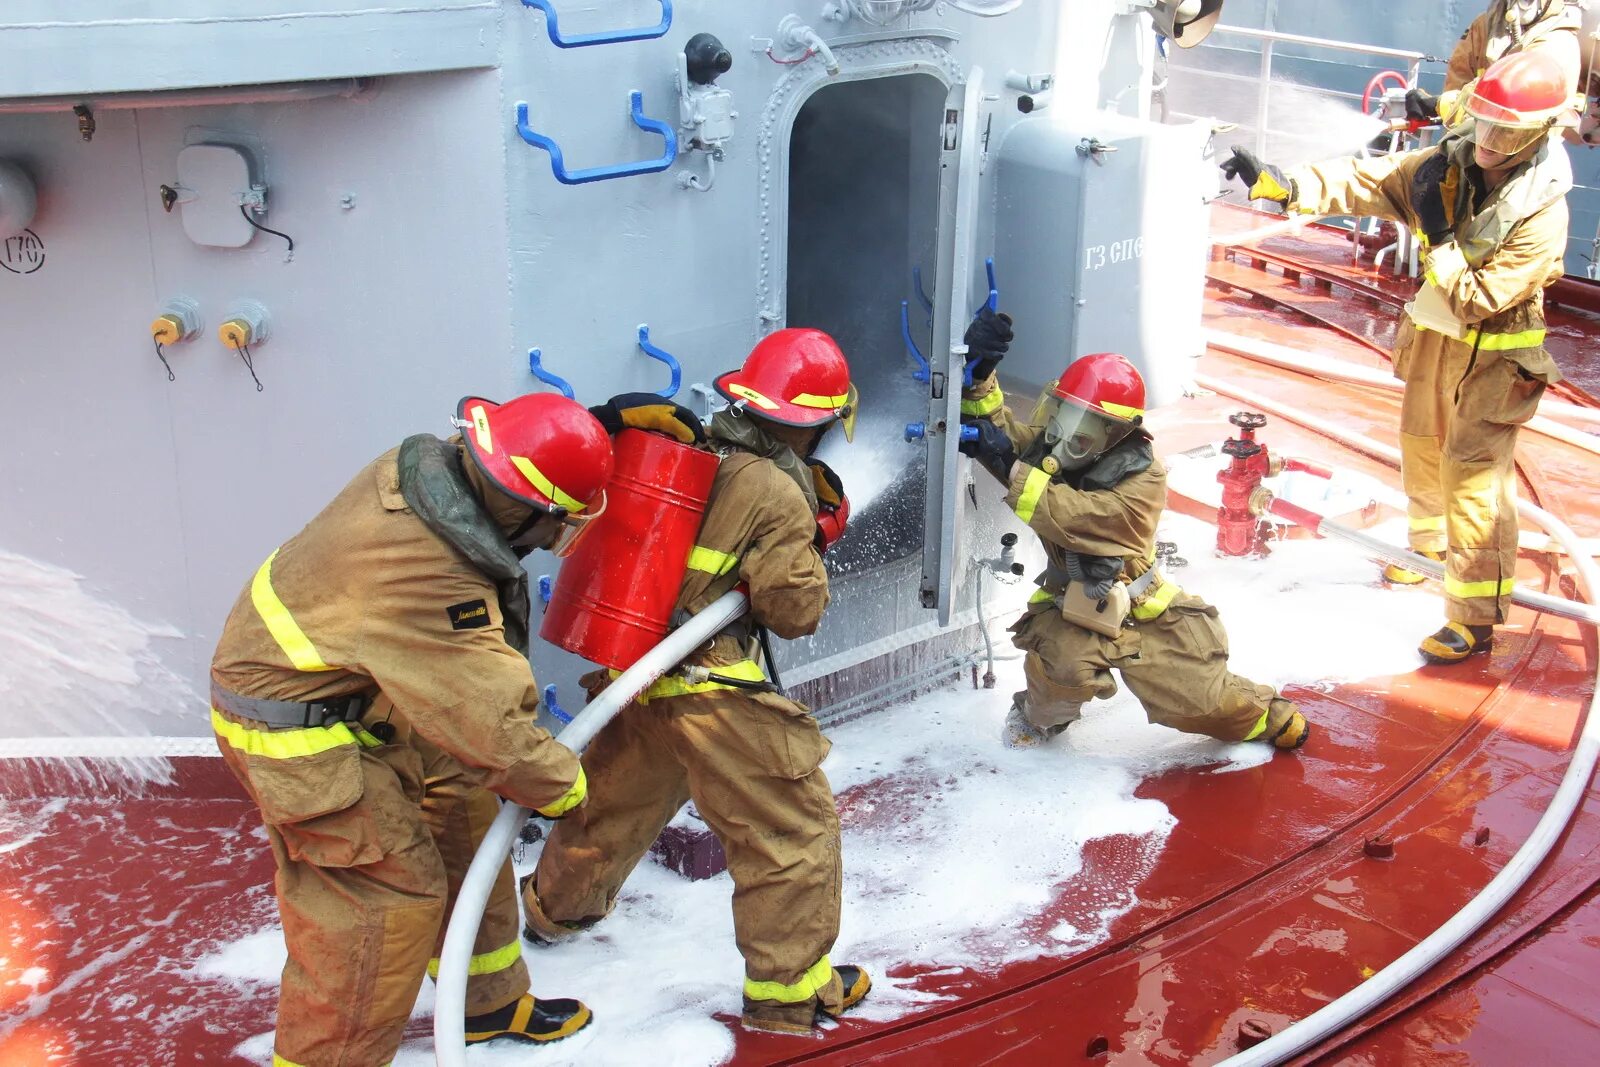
(534, 532)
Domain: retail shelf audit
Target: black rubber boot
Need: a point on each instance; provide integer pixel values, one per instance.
(1455, 641)
(530, 1020)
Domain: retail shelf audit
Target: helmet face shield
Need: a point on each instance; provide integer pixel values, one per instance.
(1075, 436)
(847, 414)
(573, 527)
(1504, 140)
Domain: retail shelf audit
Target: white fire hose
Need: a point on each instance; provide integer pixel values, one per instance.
(450, 1008)
(1391, 980)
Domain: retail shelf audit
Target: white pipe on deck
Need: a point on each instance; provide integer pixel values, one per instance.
(449, 1013)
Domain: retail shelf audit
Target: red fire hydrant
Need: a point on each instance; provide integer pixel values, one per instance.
(1239, 531)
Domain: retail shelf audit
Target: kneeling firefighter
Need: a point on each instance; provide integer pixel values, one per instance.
(372, 693)
(1489, 204)
(1083, 475)
(715, 730)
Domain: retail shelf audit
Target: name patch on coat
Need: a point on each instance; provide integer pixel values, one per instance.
(468, 616)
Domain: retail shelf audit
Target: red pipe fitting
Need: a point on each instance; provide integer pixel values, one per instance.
(1240, 531)
(1316, 470)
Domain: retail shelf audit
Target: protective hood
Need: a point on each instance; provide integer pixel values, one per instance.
(740, 431)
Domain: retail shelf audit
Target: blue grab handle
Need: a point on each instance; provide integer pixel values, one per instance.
(615, 170)
(969, 433)
(923, 372)
(583, 40)
(561, 714)
(545, 376)
(916, 431)
(547, 588)
(665, 357)
(993, 303)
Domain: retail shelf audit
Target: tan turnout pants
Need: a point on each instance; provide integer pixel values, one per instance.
(364, 889)
(1458, 437)
(751, 763)
(1176, 664)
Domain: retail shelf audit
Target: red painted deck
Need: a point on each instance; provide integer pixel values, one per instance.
(1261, 905)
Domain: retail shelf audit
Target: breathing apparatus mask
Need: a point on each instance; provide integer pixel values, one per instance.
(555, 529)
(1075, 436)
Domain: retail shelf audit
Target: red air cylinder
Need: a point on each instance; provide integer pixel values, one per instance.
(614, 597)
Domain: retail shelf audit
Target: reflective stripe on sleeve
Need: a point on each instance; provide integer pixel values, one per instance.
(486, 963)
(280, 624)
(1032, 490)
(283, 744)
(710, 561)
(1159, 600)
(566, 801)
(819, 974)
(988, 404)
(1457, 588)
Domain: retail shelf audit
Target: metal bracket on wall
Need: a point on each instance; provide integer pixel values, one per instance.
(665, 357)
(583, 40)
(537, 367)
(615, 170)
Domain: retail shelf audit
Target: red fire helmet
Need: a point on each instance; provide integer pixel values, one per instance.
(542, 449)
(796, 377)
(1523, 91)
(1103, 382)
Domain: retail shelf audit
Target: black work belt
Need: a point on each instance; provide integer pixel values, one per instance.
(293, 714)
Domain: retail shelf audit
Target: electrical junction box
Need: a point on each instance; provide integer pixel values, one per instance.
(214, 181)
(1101, 237)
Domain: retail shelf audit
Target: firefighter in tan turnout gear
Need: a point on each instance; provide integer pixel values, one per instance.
(1489, 202)
(372, 693)
(715, 730)
(1083, 475)
(1506, 28)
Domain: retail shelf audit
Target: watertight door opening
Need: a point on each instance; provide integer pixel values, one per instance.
(863, 197)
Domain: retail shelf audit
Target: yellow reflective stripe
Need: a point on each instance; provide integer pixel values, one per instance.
(1158, 601)
(1457, 588)
(545, 485)
(710, 561)
(751, 395)
(1259, 728)
(280, 624)
(987, 404)
(672, 685)
(1121, 411)
(819, 975)
(566, 801)
(1041, 596)
(1032, 489)
(812, 400)
(487, 963)
(279, 1061)
(1435, 522)
(480, 428)
(1504, 342)
(281, 744)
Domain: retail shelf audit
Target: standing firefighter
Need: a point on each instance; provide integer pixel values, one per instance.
(1508, 27)
(715, 730)
(371, 688)
(1083, 475)
(1489, 202)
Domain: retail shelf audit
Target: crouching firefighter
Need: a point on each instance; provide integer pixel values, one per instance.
(1083, 475)
(1489, 204)
(372, 693)
(716, 730)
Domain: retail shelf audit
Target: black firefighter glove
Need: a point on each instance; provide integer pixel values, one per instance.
(1421, 108)
(987, 340)
(1264, 181)
(992, 448)
(648, 411)
(1433, 189)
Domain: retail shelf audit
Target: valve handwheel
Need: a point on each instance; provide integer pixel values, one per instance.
(1248, 420)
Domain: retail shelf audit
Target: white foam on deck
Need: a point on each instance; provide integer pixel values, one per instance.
(965, 842)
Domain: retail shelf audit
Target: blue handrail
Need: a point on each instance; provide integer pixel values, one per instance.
(993, 303)
(923, 371)
(665, 357)
(614, 170)
(582, 40)
(561, 714)
(545, 376)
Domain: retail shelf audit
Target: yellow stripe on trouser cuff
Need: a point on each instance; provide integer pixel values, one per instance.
(279, 1061)
(1434, 523)
(813, 980)
(1032, 490)
(1158, 601)
(567, 801)
(1457, 588)
(281, 744)
(1259, 728)
(988, 404)
(710, 561)
(487, 963)
(280, 624)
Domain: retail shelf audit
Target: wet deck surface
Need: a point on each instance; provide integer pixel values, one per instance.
(1260, 905)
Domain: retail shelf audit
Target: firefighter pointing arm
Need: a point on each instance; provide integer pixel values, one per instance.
(1489, 202)
(1082, 474)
